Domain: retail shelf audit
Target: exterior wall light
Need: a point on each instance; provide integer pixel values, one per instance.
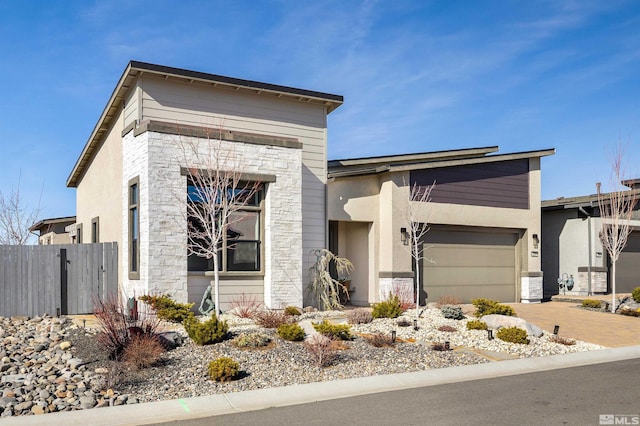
(404, 236)
(536, 241)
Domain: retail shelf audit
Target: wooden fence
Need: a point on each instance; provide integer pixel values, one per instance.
(61, 278)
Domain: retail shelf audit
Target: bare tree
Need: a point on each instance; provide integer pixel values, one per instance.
(16, 217)
(415, 216)
(217, 194)
(616, 210)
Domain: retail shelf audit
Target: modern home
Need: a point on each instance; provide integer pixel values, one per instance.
(132, 185)
(484, 218)
(573, 258)
(53, 230)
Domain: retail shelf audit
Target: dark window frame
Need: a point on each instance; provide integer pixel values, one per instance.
(79, 233)
(133, 201)
(95, 230)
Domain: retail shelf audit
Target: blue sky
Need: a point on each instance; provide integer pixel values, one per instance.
(416, 76)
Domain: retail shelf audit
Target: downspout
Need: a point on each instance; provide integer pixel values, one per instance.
(584, 212)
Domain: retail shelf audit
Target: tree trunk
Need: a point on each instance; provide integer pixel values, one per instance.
(613, 286)
(216, 283)
(417, 275)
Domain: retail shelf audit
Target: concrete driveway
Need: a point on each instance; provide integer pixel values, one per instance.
(601, 328)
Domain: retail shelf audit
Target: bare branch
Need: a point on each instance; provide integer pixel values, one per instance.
(16, 217)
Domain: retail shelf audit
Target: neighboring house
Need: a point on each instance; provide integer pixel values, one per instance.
(53, 231)
(573, 252)
(132, 167)
(484, 216)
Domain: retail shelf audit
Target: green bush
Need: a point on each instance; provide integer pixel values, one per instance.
(476, 325)
(204, 333)
(223, 369)
(513, 335)
(636, 294)
(291, 332)
(389, 308)
(591, 303)
(251, 340)
(334, 331)
(166, 308)
(491, 307)
(452, 312)
(292, 311)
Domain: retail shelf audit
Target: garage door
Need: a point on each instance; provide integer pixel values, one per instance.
(627, 269)
(469, 264)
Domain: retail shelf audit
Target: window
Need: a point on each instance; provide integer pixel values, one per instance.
(241, 249)
(79, 234)
(95, 230)
(134, 228)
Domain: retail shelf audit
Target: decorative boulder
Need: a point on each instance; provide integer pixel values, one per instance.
(499, 321)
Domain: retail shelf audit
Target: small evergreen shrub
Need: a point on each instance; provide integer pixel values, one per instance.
(334, 331)
(291, 332)
(476, 325)
(292, 311)
(271, 319)
(389, 308)
(636, 294)
(359, 316)
(491, 307)
(204, 333)
(166, 308)
(223, 369)
(379, 340)
(251, 340)
(452, 312)
(591, 304)
(513, 335)
(447, 328)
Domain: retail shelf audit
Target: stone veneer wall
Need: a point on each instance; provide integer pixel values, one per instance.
(157, 159)
(598, 281)
(531, 288)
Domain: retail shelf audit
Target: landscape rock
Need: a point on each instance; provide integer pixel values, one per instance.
(65, 345)
(496, 322)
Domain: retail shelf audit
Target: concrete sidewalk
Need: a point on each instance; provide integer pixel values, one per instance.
(606, 329)
(206, 406)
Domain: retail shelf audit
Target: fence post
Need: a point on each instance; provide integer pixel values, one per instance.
(64, 307)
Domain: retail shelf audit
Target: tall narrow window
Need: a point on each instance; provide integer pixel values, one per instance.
(79, 234)
(95, 230)
(134, 228)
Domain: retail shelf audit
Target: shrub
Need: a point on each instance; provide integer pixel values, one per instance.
(379, 340)
(292, 311)
(143, 351)
(291, 332)
(271, 319)
(204, 333)
(448, 300)
(166, 308)
(491, 307)
(591, 303)
(334, 331)
(389, 308)
(440, 347)
(223, 369)
(403, 322)
(320, 349)
(359, 316)
(452, 312)
(447, 328)
(405, 295)
(513, 335)
(251, 340)
(476, 325)
(630, 312)
(244, 306)
(636, 294)
(117, 329)
(562, 340)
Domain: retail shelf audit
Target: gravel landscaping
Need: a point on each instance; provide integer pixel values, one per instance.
(49, 364)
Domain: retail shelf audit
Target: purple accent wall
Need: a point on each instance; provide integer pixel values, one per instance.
(500, 184)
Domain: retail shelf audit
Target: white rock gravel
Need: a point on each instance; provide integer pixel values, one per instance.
(32, 348)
